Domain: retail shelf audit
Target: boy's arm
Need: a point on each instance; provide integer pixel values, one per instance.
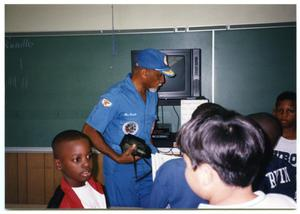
(104, 148)
(161, 187)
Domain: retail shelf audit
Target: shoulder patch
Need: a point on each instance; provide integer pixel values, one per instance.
(106, 103)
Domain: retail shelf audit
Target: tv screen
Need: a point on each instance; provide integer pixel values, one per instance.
(179, 86)
(185, 63)
(177, 63)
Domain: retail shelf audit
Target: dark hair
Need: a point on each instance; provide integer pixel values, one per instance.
(286, 95)
(66, 136)
(230, 143)
(208, 109)
(272, 130)
(270, 125)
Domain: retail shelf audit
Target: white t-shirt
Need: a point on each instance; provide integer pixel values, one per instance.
(89, 197)
(262, 201)
(286, 149)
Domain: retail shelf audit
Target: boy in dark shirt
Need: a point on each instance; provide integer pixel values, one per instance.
(170, 188)
(277, 175)
(222, 154)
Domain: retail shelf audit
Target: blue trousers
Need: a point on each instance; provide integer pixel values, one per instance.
(122, 188)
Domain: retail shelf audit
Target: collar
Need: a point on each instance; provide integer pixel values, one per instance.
(252, 203)
(69, 192)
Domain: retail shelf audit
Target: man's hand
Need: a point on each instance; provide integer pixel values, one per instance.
(126, 157)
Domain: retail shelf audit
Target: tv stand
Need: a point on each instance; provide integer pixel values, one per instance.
(163, 102)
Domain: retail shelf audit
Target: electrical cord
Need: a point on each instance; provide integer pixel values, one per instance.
(162, 115)
(178, 119)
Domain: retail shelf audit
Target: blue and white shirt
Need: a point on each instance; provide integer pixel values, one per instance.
(286, 150)
(279, 176)
(170, 188)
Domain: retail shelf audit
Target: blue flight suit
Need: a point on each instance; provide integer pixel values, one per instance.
(121, 110)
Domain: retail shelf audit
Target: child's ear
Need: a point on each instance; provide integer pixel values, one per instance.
(58, 164)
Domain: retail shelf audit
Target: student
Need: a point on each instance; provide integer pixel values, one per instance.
(170, 188)
(285, 111)
(222, 154)
(277, 175)
(129, 107)
(73, 157)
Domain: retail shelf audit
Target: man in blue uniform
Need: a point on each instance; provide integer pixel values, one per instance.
(129, 107)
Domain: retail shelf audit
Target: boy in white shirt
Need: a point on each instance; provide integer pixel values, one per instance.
(223, 154)
(73, 157)
(285, 112)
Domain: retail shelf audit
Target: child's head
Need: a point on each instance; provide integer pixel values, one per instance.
(207, 109)
(270, 126)
(229, 146)
(73, 156)
(285, 109)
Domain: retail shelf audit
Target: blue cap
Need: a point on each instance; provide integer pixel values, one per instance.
(155, 60)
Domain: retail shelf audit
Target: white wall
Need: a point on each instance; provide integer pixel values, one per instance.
(42, 18)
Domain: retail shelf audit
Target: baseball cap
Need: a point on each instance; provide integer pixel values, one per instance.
(155, 60)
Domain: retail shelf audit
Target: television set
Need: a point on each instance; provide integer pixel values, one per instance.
(186, 63)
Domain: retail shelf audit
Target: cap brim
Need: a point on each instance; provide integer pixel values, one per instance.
(168, 73)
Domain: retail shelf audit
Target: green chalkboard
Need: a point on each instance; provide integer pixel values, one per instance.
(53, 82)
(253, 66)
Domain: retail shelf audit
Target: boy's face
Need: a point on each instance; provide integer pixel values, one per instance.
(285, 111)
(75, 161)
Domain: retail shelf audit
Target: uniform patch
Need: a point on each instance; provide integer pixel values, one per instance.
(106, 102)
(130, 127)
